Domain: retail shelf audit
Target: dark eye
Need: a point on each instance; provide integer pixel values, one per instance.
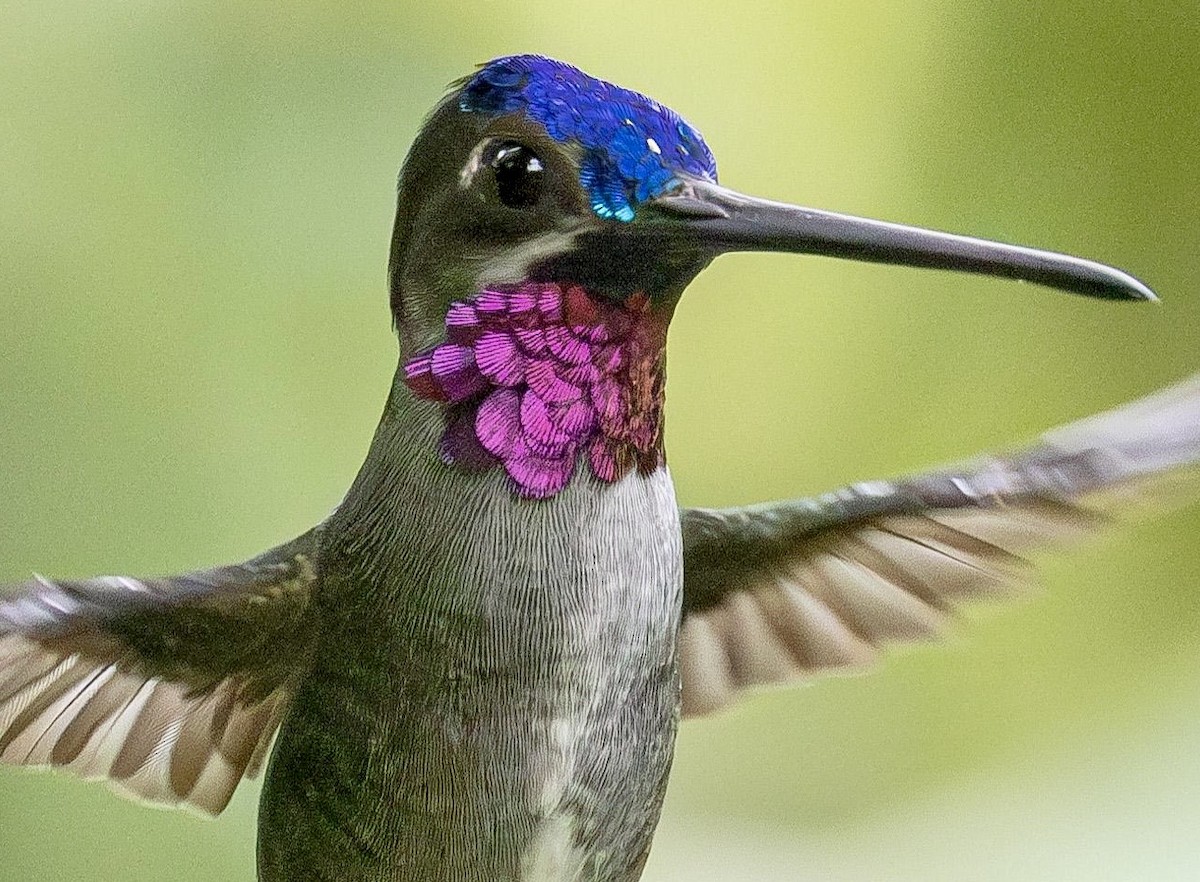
(519, 173)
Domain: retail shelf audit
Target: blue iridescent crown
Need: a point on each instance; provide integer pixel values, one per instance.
(633, 146)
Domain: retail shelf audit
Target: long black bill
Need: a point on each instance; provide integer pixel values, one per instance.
(712, 218)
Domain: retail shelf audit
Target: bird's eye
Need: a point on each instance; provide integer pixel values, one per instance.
(519, 175)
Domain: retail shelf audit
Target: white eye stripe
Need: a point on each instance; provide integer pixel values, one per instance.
(466, 177)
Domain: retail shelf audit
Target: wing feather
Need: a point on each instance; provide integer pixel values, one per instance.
(778, 592)
(169, 689)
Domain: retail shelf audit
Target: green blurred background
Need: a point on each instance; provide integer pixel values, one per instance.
(195, 204)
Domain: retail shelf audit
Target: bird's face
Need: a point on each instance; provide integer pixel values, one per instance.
(533, 171)
(548, 222)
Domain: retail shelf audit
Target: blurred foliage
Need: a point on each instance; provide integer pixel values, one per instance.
(195, 216)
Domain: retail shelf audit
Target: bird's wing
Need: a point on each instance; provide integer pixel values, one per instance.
(169, 688)
(782, 591)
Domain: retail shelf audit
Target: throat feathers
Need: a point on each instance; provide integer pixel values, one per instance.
(539, 376)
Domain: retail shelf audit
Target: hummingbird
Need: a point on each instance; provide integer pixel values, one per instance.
(474, 669)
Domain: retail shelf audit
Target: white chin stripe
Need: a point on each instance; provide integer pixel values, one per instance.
(513, 265)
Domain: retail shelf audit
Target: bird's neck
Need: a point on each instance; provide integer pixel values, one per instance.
(548, 382)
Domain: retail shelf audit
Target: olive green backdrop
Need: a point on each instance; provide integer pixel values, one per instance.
(195, 203)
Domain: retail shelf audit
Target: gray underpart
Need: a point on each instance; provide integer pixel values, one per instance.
(495, 695)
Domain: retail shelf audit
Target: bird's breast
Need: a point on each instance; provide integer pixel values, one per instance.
(513, 703)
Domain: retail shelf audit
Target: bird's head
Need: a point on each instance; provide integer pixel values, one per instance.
(523, 173)
(547, 223)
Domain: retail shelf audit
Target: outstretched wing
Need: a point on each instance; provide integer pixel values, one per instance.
(171, 689)
(785, 590)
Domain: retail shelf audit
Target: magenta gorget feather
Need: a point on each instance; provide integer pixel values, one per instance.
(540, 376)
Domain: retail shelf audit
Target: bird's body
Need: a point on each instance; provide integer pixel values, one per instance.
(495, 695)
(477, 665)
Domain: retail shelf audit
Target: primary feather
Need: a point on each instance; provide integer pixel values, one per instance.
(780, 591)
(170, 689)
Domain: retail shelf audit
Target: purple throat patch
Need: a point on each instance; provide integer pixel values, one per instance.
(539, 376)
